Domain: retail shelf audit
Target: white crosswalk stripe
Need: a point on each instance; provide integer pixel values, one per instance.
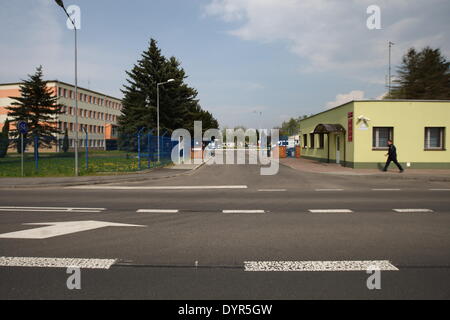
(35, 262)
(277, 266)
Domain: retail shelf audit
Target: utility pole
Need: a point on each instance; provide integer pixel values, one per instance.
(61, 4)
(389, 75)
(157, 112)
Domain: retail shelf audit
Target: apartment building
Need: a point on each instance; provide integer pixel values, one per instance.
(97, 113)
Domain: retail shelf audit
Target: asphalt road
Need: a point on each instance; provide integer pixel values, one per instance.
(200, 251)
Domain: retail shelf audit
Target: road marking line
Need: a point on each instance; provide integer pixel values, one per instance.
(330, 211)
(47, 210)
(157, 187)
(50, 209)
(157, 211)
(412, 210)
(271, 190)
(55, 229)
(243, 211)
(439, 189)
(320, 190)
(393, 189)
(274, 266)
(56, 262)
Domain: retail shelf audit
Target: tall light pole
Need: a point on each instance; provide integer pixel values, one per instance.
(61, 4)
(260, 125)
(157, 112)
(389, 80)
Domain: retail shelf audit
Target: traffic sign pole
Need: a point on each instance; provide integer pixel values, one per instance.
(21, 147)
(23, 129)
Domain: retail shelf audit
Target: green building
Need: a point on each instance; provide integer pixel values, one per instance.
(355, 134)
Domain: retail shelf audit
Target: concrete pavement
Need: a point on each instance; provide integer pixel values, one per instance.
(306, 165)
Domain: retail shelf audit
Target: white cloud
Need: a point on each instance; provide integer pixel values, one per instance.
(332, 34)
(346, 97)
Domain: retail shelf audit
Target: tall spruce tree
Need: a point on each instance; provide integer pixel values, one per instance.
(179, 106)
(38, 107)
(4, 139)
(422, 75)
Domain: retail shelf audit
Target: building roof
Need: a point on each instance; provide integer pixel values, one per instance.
(67, 84)
(328, 128)
(384, 100)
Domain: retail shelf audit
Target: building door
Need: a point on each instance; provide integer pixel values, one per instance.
(338, 149)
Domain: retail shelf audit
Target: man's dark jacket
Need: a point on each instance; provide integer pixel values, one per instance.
(392, 152)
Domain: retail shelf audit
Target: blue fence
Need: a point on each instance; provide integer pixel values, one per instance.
(134, 152)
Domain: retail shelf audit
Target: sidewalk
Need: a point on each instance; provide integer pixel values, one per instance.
(43, 182)
(311, 166)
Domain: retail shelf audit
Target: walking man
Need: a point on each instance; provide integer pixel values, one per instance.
(392, 156)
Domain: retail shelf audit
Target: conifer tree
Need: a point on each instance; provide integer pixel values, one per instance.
(179, 106)
(38, 107)
(422, 75)
(4, 139)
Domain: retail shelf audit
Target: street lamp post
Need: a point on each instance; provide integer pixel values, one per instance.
(61, 4)
(389, 80)
(157, 113)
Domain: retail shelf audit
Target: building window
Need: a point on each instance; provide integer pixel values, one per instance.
(321, 141)
(311, 137)
(305, 141)
(434, 138)
(381, 135)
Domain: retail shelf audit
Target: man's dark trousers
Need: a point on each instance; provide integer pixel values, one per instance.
(392, 157)
(394, 160)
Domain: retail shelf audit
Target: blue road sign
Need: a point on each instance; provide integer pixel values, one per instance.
(23, 127)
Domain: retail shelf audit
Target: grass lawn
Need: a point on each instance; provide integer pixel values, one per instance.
(59, 164)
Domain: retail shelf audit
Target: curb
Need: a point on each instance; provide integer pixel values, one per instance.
(387, 176)
(138, 178)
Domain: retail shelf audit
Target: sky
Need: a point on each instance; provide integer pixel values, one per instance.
(254, 62)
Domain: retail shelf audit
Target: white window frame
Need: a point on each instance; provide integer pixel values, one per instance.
(376, 132)
(427, 138)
